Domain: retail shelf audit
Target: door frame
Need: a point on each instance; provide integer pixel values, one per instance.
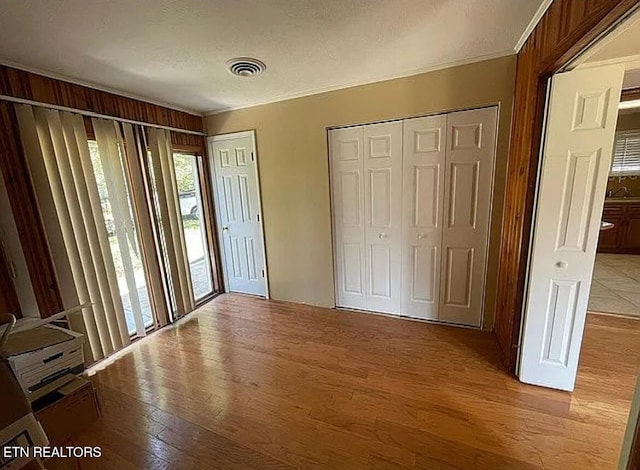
(216, 203)
(548, 49)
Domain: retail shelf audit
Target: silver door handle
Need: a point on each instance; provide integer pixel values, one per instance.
(382, 235)
(421, 236)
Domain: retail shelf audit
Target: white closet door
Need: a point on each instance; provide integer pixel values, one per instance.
(423, 192)
(580, 129)
(470, 155)
(383, 217)
(347, 164)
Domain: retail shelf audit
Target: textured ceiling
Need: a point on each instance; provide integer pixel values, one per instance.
(174, 51)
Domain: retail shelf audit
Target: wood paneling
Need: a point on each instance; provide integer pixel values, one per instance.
(247, 383)
(8, 298)
(634, 458)
(25, 211)
(567, 27)
(630, 94)
(188, 142)
(30, 86)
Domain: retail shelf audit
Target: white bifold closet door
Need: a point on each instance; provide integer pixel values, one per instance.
(347, 181)
(411, 209)
(471, 146)
(423, 193)
(367, 189)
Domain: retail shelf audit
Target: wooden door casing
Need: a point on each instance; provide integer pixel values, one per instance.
(8, 298)
(567, 27)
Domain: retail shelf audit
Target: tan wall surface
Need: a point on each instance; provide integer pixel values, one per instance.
(294, 166)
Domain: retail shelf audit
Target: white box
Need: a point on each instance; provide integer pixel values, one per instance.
(44, 358)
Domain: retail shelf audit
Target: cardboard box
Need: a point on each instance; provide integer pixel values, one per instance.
(14, 403)
(68, 411)
(18, 426)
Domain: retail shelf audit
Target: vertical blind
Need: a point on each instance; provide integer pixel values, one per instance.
(170, 217)
(60, 165)
(83, 244)
(626, 153)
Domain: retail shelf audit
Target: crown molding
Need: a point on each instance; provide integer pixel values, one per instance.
(317, 91)
(542, 9)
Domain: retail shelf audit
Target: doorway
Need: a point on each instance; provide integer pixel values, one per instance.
(239, 212)
(584, 218)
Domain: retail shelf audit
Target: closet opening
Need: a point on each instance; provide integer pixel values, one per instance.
(411, 211)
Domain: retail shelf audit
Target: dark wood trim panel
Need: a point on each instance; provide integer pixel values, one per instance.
(8, 298)
(630, 94)
(189, 143)
(30, 86)
(566, 29)
(26, 214)
(634, 458)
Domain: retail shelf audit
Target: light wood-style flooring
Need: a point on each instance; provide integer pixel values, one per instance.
(245, 383)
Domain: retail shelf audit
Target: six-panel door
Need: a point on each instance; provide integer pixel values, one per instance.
(411, 208)
(581, 122)
(239, 214)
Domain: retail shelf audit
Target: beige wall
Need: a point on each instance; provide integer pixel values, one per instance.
(294, 167)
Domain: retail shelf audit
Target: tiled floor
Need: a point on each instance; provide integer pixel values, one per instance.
(616, 284)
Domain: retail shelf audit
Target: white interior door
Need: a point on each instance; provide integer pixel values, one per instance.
(470, 157)
(347, 164)
(423, 192)
(239, 212)
(580, 128)
(383, 215)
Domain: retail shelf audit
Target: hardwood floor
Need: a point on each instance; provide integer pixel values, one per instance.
(245, 383)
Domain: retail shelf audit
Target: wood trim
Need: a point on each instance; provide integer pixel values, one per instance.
(25, 210)
(189, 143)
(30, 86)
(567, 27)
(8, 298)
(630, 94)
(206, 188)
(634, 458)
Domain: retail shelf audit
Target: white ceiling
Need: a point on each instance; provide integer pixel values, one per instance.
(174, 51)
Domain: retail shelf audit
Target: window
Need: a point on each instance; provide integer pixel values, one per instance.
(626, 154)
(192, 212)
(123, 238)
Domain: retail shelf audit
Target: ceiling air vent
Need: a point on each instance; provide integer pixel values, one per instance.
(246, 66)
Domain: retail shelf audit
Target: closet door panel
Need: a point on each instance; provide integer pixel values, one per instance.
(383, 219)
(470, 157)
(347, 164)
(423, 192)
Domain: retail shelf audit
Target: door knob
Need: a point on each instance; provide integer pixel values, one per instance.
(382, 235)
(225, 228)
(561, 264)
(421, 236)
